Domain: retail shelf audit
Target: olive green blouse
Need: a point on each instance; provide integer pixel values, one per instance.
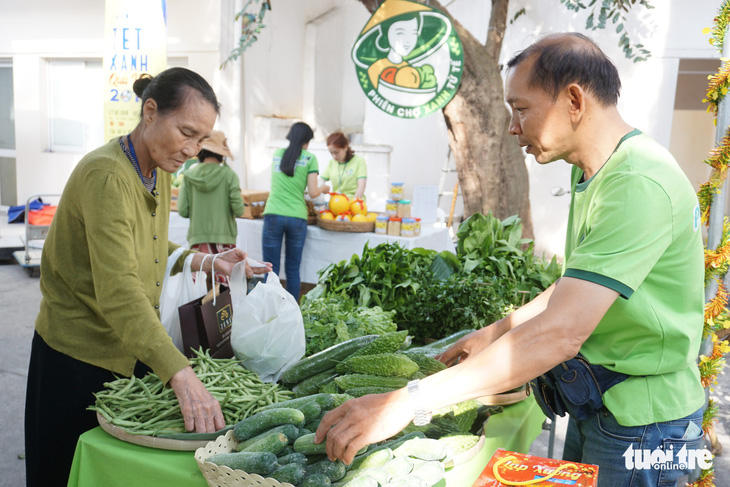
(103, 265)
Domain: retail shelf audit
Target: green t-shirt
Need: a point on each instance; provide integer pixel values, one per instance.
(344, 176)
(634, 227)
(287, 192)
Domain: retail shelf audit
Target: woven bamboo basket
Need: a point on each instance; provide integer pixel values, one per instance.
(338, 226)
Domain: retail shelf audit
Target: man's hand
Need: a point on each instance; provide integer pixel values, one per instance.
(362, 421)
(467, 346)
(200, 410)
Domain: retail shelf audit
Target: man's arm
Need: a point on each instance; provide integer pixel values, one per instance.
(573, 310)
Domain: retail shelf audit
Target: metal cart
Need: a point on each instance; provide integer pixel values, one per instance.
(35, 236)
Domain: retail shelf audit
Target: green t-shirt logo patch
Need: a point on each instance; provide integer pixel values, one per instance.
(408, 59)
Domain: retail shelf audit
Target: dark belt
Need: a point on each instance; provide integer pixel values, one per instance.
(575, 387)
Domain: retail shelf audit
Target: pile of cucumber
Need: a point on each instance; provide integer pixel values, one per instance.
(278, 443)
(368, 364)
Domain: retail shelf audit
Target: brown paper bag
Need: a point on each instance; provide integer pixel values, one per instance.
(207, 325)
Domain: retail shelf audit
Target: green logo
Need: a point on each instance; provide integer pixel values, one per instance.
(408, 59)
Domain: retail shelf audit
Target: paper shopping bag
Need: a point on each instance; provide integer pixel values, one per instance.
(206, 323)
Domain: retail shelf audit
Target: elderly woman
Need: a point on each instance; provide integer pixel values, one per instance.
(103, 264)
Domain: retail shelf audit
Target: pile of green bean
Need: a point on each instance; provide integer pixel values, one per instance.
(145, 407)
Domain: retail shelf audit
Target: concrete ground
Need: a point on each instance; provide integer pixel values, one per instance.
(19, 301)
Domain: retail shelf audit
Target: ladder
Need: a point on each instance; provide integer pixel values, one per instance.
(448, 169)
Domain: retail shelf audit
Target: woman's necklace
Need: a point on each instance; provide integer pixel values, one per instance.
(149, 183)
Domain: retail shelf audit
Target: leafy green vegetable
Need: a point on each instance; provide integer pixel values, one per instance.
(332, 320)
(447, 306)
(495, 248)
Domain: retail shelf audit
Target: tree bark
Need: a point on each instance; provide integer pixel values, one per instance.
(490, 164)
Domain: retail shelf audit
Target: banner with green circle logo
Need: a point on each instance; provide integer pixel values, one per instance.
(408, 59)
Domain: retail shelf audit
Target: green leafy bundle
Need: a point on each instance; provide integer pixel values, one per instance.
(495, 249)
(459, 302)
(387, 275)
(332, 320)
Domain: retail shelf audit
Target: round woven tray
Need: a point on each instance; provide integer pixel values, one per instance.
(337, 226)
(181, 442)
(222, 476)
(505, 398)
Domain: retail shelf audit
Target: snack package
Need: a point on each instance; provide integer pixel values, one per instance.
(507, 468)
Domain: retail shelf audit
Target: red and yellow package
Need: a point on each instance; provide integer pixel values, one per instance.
(508, 469)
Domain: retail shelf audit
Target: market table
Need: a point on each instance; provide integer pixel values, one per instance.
(322, 247)
(101, 459)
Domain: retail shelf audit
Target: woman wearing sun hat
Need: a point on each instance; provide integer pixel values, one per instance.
(210, 195)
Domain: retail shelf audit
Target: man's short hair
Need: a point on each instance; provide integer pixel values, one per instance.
(562, 59)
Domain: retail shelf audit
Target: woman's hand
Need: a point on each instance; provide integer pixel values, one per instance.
(200, 410)
(225, 261)
(467, 346)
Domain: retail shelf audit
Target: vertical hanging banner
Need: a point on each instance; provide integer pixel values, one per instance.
(408, 59)
(135, 43)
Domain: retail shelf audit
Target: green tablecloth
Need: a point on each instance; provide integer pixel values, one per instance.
(101, 459)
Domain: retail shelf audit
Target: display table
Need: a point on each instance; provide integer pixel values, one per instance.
(101, 459)
(322, 247)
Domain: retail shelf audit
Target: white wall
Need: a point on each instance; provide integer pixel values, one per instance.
(281, 78)
(33, 31)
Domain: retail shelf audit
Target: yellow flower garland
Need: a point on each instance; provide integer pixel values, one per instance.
(717, 261)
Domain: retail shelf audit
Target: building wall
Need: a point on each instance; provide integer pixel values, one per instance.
(34, 31)
(300, 69)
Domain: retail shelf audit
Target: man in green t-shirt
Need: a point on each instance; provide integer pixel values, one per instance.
(626, 317)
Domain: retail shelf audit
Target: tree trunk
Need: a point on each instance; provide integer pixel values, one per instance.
(491, 166)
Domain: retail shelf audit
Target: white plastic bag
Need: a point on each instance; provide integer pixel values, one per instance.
(178, 290)
(268, 331)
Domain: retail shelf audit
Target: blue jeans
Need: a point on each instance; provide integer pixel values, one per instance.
(276, 227)
(619, 450)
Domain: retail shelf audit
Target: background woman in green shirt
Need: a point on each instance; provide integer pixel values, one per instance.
(346, 172)
(293, 170)
(102, 268)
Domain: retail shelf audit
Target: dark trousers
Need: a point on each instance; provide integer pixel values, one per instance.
(59, 390)
(276, 228)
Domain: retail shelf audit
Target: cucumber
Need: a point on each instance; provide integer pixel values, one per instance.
(311, 385)
(333, 470)
(399, 467)
(265, 420)
(291, 432)
(273, 443)
(408, 482)
(299, 458)
(351, 381)
(311, 411)
(326, 359)
(383, 364)
(423, 448)
(361, 481)
(305, 444)
(449, 340)
(372, 459)
(287, 450)
(385, 343)
(304, 431)
(261, 463)
(316, 480)
(292, 473)
(430, 472)
(326, 402)
(330, 388)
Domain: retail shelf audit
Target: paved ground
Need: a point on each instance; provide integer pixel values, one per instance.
(19, 301)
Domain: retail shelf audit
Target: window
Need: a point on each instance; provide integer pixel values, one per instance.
(7, 113)
(76, 105)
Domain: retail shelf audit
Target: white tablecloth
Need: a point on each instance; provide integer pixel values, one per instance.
(322, 247)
